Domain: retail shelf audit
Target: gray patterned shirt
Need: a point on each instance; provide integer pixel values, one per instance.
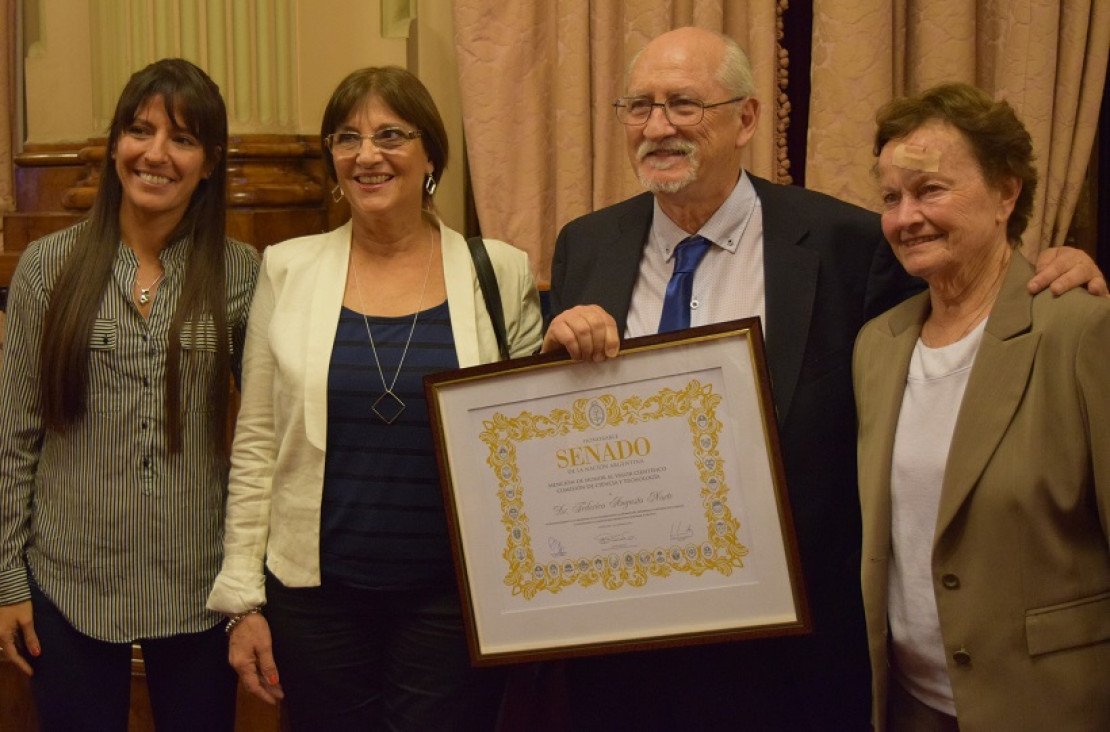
(123, 537)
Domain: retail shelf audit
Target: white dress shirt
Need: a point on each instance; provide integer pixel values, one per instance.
(728, 283)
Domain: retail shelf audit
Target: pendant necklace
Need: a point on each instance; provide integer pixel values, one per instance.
(144, 292)
(388, 406)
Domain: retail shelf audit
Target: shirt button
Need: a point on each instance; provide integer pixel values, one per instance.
(950, 581)
(962, 657)
(146, 382)
(143, 425)
(146, 462)
(694, 304)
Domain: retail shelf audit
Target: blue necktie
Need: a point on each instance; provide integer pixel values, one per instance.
(676, 303)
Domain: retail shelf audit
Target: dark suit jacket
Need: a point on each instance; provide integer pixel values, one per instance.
(827, 270)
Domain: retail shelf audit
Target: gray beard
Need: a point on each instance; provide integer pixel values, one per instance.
(673, 186)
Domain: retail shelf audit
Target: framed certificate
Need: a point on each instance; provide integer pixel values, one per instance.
(637, 502)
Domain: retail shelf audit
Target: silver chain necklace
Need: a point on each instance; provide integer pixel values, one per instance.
(144, 292)
(388, 406)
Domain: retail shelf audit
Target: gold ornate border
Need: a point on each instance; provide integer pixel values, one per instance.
(722, 552)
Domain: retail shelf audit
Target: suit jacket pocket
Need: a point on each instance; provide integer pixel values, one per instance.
(1081, 622)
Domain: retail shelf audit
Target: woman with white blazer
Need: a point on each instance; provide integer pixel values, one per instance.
(335, 518)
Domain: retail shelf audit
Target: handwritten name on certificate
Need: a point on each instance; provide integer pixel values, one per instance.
(616, 489)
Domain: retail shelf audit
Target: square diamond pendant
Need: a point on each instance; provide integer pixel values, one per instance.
(388, 407)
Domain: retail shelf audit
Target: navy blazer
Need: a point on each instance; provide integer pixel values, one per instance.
(827, 270)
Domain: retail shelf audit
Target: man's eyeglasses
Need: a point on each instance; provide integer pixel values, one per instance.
(680, 111)
(349, 142)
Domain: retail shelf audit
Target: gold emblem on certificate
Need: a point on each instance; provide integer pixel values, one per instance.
(612, 484)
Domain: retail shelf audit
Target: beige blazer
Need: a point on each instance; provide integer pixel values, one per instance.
(277, 466)
(1020, 557)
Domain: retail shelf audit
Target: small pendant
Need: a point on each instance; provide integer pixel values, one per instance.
(388, 407)
(144, 296)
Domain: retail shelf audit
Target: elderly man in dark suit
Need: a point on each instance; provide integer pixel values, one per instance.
(814, 269)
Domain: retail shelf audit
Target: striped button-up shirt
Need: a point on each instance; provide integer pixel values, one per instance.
(122, 536)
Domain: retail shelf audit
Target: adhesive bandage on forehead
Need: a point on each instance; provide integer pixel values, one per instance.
(916, 157)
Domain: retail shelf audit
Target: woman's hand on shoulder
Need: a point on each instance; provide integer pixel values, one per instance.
(250, 653)
(17, 627)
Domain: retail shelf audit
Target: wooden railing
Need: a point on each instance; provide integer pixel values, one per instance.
(275, 191)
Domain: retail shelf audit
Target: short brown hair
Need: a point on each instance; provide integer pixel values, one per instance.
(998, 139)
(404, 94)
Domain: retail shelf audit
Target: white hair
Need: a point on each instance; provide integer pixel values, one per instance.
(734, 74)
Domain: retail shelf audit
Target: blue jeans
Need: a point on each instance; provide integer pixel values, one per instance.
(353, 659)
(82, 683)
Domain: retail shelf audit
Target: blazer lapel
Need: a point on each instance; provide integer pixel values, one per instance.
(882, 385)
(618, 255)
(994, 389)
(460, 280)
(324, 304)
(790, 284)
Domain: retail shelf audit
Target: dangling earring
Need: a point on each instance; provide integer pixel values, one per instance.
(430, 184)
(337, 193)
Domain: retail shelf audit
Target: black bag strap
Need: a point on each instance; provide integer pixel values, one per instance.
(487, 280)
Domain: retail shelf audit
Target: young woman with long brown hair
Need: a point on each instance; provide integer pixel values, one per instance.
(123, 333)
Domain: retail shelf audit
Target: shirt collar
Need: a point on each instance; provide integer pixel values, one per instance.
(724, 228)
(172, 255)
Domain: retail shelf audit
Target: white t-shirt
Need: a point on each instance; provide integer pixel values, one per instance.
(934, 390)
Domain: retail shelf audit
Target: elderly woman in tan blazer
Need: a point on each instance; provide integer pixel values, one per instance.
(984, 444)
